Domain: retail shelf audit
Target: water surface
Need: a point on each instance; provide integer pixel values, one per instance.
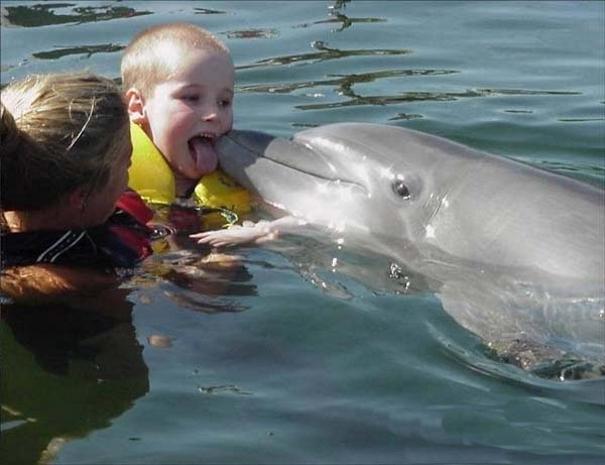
(281, 358)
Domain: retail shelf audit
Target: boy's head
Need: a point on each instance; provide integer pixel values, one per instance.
(179, 80)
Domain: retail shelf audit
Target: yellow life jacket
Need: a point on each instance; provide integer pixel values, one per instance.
(153, 179)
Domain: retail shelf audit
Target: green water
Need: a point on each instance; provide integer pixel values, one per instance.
(279, 359)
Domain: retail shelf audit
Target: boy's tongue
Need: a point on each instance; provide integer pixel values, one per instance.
(203, 153)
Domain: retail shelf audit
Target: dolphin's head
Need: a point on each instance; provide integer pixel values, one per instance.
(345, 176)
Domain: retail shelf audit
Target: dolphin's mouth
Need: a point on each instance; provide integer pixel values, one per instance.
(319, 176)
(289, 156)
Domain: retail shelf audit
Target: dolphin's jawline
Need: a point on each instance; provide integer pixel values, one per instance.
(343, 182)
(238, 143)
(293, 167)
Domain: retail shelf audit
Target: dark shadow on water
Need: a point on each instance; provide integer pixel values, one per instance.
(344, 21)
(406, 116)
(207, 11)
(43, 14)
(66, 371)
(594, 175)
(87, 50)
(339, 4)
(407, 97)
(324, 53)
(252, 34)
(342, 82)
(337, 16)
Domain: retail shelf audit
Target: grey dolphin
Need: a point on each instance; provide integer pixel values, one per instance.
(516, 251)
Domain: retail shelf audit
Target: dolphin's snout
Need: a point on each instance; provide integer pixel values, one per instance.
(252, 142)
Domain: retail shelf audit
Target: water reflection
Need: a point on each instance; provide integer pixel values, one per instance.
(207, 11)
(344, 82)
(252, 34)
(67, 371)
(591, 174)
(203, 285)
(87, 50)
(580, 120)
(324, 53)
(407, 97)
(192, 275)
(406, 116)
(195, 278)
(337, 17)
(43, 14)
(338, 4)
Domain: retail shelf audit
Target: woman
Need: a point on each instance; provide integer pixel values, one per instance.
(65, 157)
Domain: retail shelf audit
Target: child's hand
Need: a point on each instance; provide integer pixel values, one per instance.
(249, 232)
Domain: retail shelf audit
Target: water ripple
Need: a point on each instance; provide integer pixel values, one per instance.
(44, 15)
(252, 34)
(343, 81)
(87, 50)
(340, 18)
(406, 97)
(207, 11)
(324, 53)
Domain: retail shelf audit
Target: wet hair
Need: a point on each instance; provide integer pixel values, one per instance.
(152, 56)
(58, 132)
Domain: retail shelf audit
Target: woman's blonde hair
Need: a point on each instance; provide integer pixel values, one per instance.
(58, 132)
(152, 56)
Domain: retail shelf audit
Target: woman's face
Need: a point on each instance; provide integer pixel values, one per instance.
(101, 202)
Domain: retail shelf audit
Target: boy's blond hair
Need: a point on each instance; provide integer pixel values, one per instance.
(151, 57)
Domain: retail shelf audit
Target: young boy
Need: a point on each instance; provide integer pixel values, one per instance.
(178, 81)
(179, 87)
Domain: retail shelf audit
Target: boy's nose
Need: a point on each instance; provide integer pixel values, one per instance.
(209, 112)
(209, 116)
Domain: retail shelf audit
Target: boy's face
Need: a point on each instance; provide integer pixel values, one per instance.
(187, 113)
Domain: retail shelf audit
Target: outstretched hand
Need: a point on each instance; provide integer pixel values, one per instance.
(248, 232)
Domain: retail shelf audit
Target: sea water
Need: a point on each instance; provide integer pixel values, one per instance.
(282, 357)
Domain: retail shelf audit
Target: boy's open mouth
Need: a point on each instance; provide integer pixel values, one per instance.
(201, 149)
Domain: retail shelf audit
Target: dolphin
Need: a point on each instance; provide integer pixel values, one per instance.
(515, 252)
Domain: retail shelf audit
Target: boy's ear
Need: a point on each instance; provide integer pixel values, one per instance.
(135, 105)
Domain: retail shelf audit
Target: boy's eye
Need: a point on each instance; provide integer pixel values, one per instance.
(191, 98)
(224, 103)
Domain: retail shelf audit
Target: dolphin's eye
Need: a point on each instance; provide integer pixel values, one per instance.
(401, 189)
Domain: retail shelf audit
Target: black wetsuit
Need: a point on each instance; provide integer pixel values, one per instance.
(121, 242)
